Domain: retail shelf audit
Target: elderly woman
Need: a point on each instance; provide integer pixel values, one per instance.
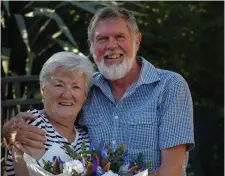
(65, 79)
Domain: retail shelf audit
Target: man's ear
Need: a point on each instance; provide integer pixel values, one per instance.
(138, 40)
(89, 43)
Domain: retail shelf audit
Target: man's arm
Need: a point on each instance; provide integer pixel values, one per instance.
(176, 129)
(17, 132)
(172, 161)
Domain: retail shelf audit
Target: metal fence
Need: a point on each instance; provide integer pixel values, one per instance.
(11, 105)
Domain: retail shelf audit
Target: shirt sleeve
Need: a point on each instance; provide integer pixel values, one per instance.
(176, 115)
(9, 164)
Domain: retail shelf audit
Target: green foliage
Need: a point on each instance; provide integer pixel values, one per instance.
(68, 150)
(75, 173)
(186, 37)
(47, 165)
(115, 157)
(148, 164)
(140, 159)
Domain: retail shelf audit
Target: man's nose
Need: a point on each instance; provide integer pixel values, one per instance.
(112, 43)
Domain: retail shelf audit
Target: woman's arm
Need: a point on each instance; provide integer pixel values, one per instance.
(19, 163)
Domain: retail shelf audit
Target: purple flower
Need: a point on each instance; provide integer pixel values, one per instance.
(91, 148)
(124, 169)
(60, 164)
(131, 165)
(54, 158)
(94, 166)
(124, 155)
(102, 151)
(99, 171)
(61, 161)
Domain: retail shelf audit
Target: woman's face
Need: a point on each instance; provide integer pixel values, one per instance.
(64, 95)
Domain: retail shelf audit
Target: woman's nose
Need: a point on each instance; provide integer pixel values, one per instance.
(67, 91)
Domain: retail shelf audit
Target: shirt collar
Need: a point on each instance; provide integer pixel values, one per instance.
(148, 74)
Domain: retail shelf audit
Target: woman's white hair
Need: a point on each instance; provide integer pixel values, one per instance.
(69, 62)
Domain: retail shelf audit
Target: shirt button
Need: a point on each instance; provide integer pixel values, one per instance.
(113, 142)
(116, 117)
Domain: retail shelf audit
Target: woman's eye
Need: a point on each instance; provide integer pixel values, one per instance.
(76, 87)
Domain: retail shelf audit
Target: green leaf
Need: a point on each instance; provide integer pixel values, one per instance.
(138, 4)
(83, 146)
(75, 155)
(67, 46)
(140, 159)
(120, 149)
(148, 165)
(24, 34)
(5, 55)
(6, 4)
(83, 6)
(53, 15)
(22, 28)
(69, 150)
(47, 165)
(75, 173)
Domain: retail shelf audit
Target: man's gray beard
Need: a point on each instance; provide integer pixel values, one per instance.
(115, 72)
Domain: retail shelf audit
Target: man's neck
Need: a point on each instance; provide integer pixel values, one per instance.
(120, 86)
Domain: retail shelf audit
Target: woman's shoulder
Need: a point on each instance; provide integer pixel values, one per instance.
(82, 136)
(82, 133)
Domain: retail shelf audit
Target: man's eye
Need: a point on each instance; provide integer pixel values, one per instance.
(120, 37)
(101, 39)
(58, 85)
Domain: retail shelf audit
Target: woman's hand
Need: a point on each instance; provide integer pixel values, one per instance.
(19, 163)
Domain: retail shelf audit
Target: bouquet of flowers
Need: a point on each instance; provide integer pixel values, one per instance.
(102, 161)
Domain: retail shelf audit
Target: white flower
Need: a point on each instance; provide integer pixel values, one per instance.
(110, 173)
(76, 165)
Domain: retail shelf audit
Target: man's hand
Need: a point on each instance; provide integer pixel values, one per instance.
(17, 132)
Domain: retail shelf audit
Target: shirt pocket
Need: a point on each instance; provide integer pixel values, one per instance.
(93, 120)
(141, 130)
(98, 128)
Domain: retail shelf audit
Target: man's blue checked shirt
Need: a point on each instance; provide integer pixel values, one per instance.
(155, 113)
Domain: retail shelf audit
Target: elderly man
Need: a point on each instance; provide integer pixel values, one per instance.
(149, 109)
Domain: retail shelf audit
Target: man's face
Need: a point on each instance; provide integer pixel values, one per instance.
(114, 48)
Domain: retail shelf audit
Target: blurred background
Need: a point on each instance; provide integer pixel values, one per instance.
(185, 37)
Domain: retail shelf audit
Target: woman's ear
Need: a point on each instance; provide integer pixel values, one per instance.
(42, 89)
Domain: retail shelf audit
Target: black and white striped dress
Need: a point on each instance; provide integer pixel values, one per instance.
(52, 137)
